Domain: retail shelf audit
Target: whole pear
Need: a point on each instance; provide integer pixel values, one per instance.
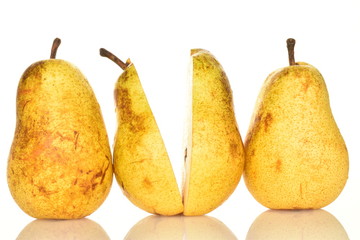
(141, 163)
(214, 150)
(296, 157)
(59, 165)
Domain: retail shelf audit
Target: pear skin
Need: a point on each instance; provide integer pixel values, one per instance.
(215, 154)
(59, 165)
(141, 163)
(296, 157)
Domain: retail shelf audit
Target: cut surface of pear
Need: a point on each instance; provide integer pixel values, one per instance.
(214, 155)
(296, 157)
(59, 165)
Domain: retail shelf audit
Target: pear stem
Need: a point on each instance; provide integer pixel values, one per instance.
(55, 47)
(112, 57)
(290, 46)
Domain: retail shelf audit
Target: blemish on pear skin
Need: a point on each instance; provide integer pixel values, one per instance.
(278, 165)
(24, 105)
(33, 69)
(147, 183)
(267, 121)
(234, 150)
(124, 103)
(252, 153)
(76, 135)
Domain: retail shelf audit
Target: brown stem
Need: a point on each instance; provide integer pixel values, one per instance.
(112, 57)
(290, 46)
(54, 48)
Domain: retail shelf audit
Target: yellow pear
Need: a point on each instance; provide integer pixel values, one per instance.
(141, 163)
(296, 157)
(59, 165)
(214, 153)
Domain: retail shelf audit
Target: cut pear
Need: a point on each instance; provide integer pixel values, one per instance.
(214, 152)
(142, 166)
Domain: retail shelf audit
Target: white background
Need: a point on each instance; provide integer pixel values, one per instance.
(247, 37)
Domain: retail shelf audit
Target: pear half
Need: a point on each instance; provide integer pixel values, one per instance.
(214, 152)
(141, 163)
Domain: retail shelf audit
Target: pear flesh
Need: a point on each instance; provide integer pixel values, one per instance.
(296, 157)
(59, 165)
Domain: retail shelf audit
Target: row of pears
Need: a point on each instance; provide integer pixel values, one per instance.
(61, 166)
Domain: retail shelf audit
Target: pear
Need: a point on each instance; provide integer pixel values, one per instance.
(296, 157)
(141, 164)
(214, 150)
(59, 165)
(214, 153)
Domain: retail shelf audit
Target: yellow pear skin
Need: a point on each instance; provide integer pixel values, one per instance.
(141, 163)
(296, 157)
(215, 153)
(59, 165)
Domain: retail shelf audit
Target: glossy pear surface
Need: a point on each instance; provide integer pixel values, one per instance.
(296, 157)
(215, 154)
(60, 161)
(141, 163)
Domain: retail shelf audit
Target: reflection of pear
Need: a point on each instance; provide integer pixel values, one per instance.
(157, 227)
(302, 224)
(180, 227)
(204, 227)
(63, 229)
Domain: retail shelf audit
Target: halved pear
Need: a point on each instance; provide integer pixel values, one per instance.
(141, 163)
(214, 153)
